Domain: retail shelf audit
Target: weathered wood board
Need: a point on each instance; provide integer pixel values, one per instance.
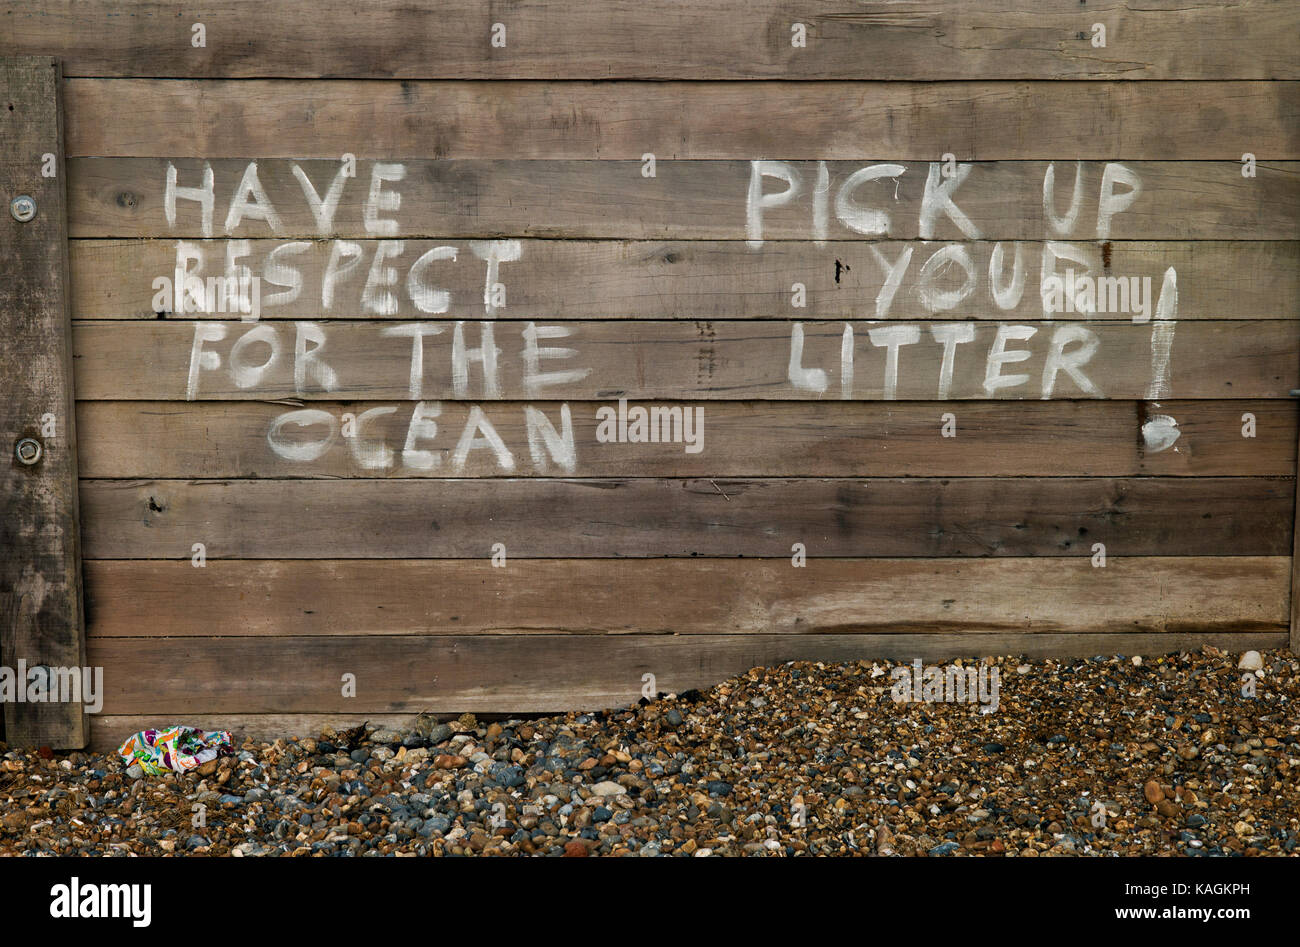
(528, 674)
(702, 360)
(647, 517)
(245, 440)
(901, 121)
(270, 727)
(697, 279)
(1162, 595)
(750, 331)
(677, 39)
(1295, 580)
(690, 200)
(41, 621)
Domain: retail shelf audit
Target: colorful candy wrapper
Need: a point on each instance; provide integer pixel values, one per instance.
(175, 749)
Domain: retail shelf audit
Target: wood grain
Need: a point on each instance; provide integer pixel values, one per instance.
(678, 39)
(686, 200)
(681, 360)
(1182, 595)
(639, 558)
(213, 440)
(110, 730)
(535, 673)
(650, 518)
(41, 620)
(906, 121)
(1295, 578)
(698, 279)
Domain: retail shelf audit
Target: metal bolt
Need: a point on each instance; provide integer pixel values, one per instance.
(23, 208)
(28, 451)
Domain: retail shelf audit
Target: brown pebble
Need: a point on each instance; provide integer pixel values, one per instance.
(1153, 792)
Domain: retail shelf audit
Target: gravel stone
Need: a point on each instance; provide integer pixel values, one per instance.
(789, 761)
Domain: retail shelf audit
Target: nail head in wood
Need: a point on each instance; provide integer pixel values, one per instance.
(28, 451)
(23, 208)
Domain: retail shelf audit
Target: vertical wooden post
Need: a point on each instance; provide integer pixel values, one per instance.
(41, 612)
(1295, 563)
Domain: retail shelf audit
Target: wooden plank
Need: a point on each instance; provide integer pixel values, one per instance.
(650, 518)
(111, 729)
(678, 39)
(1003, 200)
(699, 279)
(1175, 121)
(680, 360)
(1181, 595)
(533, 673)
(231, 439)
(41, 620)
(1295, 577)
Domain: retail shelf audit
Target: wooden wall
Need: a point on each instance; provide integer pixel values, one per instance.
(627, 559)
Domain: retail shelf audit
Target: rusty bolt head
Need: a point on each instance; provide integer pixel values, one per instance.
(28, 451)
(23, 208)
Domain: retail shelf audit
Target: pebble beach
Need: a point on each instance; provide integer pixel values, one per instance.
(1105, 756)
